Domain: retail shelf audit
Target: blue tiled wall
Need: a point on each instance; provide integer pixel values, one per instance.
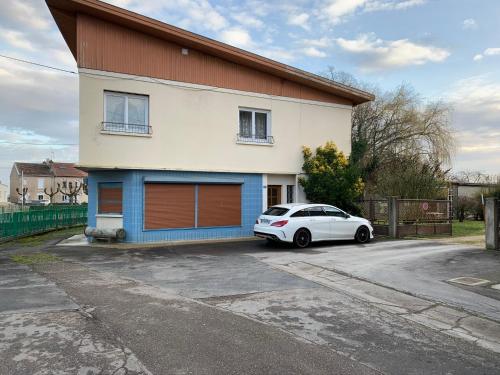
(133, 204)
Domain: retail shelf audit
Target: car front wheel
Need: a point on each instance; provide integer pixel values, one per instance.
(302, 238)
(362, 235)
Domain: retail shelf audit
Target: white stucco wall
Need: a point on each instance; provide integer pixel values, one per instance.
(109, 221)
(4, 193)
(194, 128)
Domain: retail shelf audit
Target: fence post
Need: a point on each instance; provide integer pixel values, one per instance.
(491, 214)
(392, 211)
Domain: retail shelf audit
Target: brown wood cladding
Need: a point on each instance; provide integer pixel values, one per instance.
(110, 200)
(109, 47)
(169, 206)
(219, 205)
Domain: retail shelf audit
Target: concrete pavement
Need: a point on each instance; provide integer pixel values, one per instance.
(245, 307)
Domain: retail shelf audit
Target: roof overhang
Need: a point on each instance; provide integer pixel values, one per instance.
(65, 11)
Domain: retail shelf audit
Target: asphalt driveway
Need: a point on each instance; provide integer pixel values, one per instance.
(246, 307)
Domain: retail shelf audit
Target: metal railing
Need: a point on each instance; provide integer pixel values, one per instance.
(412, 211)
(118, 127)
(43, 219)
(252, 138)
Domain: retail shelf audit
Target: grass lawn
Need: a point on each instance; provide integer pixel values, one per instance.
(40, 239)
(468, 228)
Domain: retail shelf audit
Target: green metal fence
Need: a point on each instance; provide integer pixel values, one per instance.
(25, 223)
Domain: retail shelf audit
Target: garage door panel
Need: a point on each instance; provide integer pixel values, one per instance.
(169, 206)
(219, 205)
(110, 198)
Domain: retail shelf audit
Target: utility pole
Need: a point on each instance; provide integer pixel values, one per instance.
(22, 188)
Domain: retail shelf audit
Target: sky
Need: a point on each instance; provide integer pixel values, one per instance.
(446, 50)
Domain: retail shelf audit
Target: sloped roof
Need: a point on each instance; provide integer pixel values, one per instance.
(33, 169)
(66, 170)
(65, 11)
(49, 169)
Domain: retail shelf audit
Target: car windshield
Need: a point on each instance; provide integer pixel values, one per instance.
(276, 211)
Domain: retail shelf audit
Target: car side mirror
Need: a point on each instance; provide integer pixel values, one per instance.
(347, 216)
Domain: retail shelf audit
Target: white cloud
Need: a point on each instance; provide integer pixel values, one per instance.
(492, 51)
(335, 11)
(16, 39)
(322, 42)
(477, 94)
(392, 5)
(300, 20)
(313, 52)
(487, 52)
(476, 115)
(379, 54)
(248, 21)
(469, 23)
(198, 14)
(237, 37)
(29, 14)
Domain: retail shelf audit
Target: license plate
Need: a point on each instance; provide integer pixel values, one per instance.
(265, 221)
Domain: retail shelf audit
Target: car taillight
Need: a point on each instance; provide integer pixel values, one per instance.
(279, 223)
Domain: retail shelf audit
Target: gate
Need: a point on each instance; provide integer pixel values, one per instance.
(377, 211)
(408, 217)
(423, 217)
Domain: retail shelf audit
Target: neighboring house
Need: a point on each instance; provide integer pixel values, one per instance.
(4, 193)
(185, 137)
(46, 175)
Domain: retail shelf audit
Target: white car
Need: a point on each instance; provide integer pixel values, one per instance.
(301, 224)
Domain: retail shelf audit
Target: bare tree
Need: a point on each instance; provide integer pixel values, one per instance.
(475, 177)
(23, 193)
(397, 123)
(52, 192)
(72, 191)
(398, 130)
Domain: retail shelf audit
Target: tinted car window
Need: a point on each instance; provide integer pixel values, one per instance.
(332, 211)
(300, 213)
(276, 211)
(316, 211)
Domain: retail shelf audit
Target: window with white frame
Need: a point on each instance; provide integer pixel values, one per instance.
(126, 113)
(41, 183)
(254, 126)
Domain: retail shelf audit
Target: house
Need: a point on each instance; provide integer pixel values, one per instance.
(45, 177)
(4, 193)
(184, 137)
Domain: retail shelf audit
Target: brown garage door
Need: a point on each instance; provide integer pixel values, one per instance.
(219, 205)
(169, 206)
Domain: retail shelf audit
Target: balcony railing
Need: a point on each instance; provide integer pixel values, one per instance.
(118, 127)
(252, 138)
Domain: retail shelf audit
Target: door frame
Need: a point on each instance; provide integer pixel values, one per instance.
(278, 194)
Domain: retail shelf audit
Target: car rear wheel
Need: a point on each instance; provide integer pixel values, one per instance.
(302, 238)
(362, 235)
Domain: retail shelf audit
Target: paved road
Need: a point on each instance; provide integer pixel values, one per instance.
(419, 267)
(249, 308)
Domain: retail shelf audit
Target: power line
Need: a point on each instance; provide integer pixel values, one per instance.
(38, 64)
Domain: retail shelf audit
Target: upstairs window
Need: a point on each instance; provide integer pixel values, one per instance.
(255, 126)
(126, 113)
